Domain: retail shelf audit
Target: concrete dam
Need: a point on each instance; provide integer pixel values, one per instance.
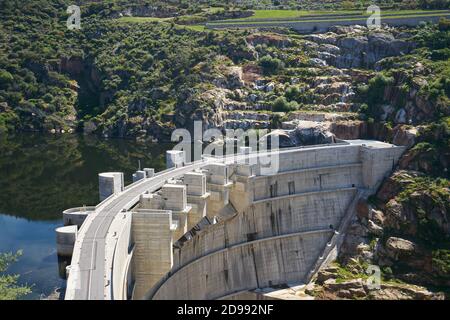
(220, 228)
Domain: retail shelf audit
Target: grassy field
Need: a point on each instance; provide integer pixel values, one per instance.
(292, 14)
(141, 19)
(199, 28)
(287, 16)
(269, 22)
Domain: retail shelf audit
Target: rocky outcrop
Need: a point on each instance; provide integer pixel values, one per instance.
(305, 133)
(330, 286)
(148, 11)
(269, 39)
(357, 47)
(229, 78)
(350, 129)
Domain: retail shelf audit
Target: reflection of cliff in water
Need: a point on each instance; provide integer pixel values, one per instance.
(42, 175)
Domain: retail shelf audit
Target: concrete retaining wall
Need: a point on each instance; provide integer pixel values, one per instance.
(324, 26)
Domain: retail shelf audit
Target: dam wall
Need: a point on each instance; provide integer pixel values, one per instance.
(290, 218)
(296, 213)
(221, 226)
(255, 264)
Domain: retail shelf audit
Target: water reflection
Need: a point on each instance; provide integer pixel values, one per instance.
(43, 175)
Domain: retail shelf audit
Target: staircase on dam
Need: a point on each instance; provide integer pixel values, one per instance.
(224, 227)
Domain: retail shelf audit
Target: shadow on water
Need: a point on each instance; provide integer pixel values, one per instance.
(42, 175)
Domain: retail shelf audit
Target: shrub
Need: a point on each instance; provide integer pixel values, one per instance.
(444, 24)
(282, 105)
(271, 65)
(293, 93)
(5, 77)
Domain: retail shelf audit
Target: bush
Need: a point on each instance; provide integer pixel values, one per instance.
(444, 24)
(293, 93)
(5, 77)
(375, 91)
(282, 105)
(441, 262)
(271, 65)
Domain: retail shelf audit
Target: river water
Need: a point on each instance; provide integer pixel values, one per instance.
(42, 175)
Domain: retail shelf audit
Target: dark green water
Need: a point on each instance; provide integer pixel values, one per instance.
(42, 175)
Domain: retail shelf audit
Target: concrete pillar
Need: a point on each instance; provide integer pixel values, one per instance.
(150, 201)
(65, 240)
(219, 188)
(195, 183)
(175, 199)
(218, 173)
(241, 195)
(110, 183)
(150, 172)
(139, 175)
(175, 159)
(152, 232)
(196, 197)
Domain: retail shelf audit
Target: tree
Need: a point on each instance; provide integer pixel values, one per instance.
(9, 289)
(282, 105)
(271, 65)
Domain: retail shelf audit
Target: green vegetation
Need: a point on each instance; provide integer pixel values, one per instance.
(423, 195)
(441, 262)
(271, 65)
(9, 289)
(282, 105)
(325, 16)
(133, 74)
(357, 269)
(293, 14)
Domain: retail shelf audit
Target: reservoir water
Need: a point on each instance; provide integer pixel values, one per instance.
(42, 175)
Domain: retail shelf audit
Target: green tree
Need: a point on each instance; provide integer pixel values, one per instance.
(9, 289)
(271, 65)
(282, 105)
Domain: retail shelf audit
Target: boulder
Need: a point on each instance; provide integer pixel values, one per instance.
(404, 136)
(374, 228)
(397, 247)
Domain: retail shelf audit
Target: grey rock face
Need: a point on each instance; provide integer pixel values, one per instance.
(355, 47)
